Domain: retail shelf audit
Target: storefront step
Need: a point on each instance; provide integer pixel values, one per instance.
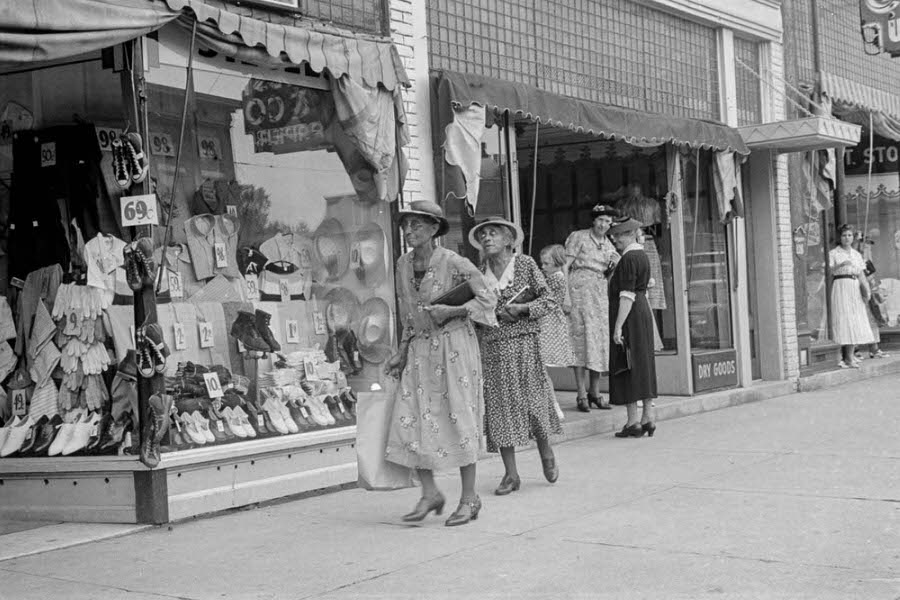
(868, 369)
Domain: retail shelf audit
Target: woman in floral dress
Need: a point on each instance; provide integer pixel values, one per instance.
(591, 258)
(518, 394)
(438, 414)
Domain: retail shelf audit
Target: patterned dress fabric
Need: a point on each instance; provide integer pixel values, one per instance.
(655, 295)
(518, 393)
(851, 320)
(631, 276)
(556, 347)
(589, 318)
(438, 412)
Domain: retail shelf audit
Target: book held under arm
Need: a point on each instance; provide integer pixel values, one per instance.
(455, 296)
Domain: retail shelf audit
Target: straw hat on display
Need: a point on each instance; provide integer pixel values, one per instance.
(341, 309)
(367, 254)
(374, 331)
(516, 231)
(426, 208)
(332, 249)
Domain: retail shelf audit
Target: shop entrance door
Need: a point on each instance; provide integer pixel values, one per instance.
(752, 303)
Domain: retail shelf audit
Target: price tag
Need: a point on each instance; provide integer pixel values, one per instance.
(20, 402)
(209, 147)
(180, 336)
(95, 429)
(72, 325)
(161, 145)
(305, 258)
(341, 379)
(221, 256)
(309, 368)
(293, 331)
(220, 427)
(105, 137)
(284, 288)
(207, 338)
(304, 411)
(319, 323)
(252, 283)
(213, 387)
(176, 285)
(139, 210)
(48, 154)
(231, 209)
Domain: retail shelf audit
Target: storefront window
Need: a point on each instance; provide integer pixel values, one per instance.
(706, 258)
(575, 173)
(271, 246)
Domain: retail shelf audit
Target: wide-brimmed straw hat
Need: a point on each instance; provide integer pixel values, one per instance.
(367, 254)
(341, 309)
(625, 226)
(332, 249)
(426, 208)
(496, 222)
(374, 331)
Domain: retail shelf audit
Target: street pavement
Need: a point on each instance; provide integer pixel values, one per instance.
(792, 497)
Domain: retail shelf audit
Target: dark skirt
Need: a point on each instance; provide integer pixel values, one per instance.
(638, 382)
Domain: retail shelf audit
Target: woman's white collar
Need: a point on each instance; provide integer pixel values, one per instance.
(632, 246)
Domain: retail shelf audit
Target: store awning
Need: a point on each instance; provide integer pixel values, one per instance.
(863, 104)
(45, 30)
(461, 90)
(800, 135)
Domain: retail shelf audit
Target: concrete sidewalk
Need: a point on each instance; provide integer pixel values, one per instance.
(797, 497)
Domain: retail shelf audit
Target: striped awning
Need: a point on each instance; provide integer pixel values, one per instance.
(862, 96)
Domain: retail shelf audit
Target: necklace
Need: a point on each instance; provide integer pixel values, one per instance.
(598, 243)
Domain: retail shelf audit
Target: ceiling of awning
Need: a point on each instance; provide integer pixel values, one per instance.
(610, 122)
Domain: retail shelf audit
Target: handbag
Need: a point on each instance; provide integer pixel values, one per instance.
(456, 296)
(373, 418)
(622, 363)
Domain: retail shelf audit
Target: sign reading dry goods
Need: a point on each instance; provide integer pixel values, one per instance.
(715, 369)
(286, 118)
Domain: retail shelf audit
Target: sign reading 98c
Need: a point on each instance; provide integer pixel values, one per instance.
(881, 24)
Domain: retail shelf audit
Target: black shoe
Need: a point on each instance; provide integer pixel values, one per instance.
(583, 404)
(465, 512)
(631, 431)
(262, 326)
(649, 427)
(425, 506)
(46, 435)
(551, 471)
(598, 402)
(508, 485)
(244, 330)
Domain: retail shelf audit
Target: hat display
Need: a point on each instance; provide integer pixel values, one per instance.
(496, 222)
(374, 331)
(426, 208)
(601, 210)
(367, 254)
(341, 308)
(625, 226)
(332, 248)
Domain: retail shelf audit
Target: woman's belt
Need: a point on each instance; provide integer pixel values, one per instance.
(844, 277)
(588, 269)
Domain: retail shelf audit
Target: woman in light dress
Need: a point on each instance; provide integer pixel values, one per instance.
(849, 294)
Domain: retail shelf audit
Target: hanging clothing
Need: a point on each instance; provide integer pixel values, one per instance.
(519, 403)
(591, 260)
(629, 280)
(850, 314)
(178, 261)
(42, 284)
(104, 259)
(438, 414)
(212, 241)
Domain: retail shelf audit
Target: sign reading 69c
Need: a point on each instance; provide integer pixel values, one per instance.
(139, 210)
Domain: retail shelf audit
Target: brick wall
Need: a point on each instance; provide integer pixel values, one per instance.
(785, 253)
(402, 23)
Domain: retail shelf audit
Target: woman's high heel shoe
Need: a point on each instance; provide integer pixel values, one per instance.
(508, 485)
(649, 427)
(631, 431)
(583, 405)
(465, 512)
(597, 401)
(425, 506)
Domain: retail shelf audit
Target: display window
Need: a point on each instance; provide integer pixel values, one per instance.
(573, 174)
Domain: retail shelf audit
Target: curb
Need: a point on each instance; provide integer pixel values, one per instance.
(868, 370)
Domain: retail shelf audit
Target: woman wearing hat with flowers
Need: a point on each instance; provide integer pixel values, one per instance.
(590, 259)
(438, 413)
(632, 357)
(519, 402)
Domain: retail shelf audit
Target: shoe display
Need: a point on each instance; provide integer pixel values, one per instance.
(120, 170)
(132, 269)
(202, 424)
(31, 437)
(234, 422)
(5, 430)
(257, 418)
(46, 435)
(286, 417)
(297, 416)
(143, 256)
(115, 431)
(333, 405)
(244, 330)
(153, 346)
(190, 428)
(81, 434)
(348, 397)
(262, 326)
(135, 161)
(244, 420)
(16, 437)
(275, 416)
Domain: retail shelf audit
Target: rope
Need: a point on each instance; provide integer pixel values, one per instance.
(534, 183)
(696, 217)
(780, 92)
(865, 231)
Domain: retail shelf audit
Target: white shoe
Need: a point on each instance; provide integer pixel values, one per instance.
(202, 424)
(275, 417)
(5, 431)
(286, 417)
(16, 437)
(81, 434)
(63, 435)
(245, 421)
(318, 406)
(234, 422)
(191, 428)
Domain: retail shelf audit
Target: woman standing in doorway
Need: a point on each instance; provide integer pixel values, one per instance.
(632, 358)
(438, 413)
(590, 259)
(849, 295)
(518, 395)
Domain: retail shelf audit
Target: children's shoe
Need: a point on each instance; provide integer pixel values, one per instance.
(143, 254)
(132, 269)
(120, 169)
(134, 152)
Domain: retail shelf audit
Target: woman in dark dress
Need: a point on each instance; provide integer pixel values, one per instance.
(631, 378)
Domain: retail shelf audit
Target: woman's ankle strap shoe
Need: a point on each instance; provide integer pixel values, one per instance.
(425, 506)
(583, 405)
(466, 511)
(598, 402)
